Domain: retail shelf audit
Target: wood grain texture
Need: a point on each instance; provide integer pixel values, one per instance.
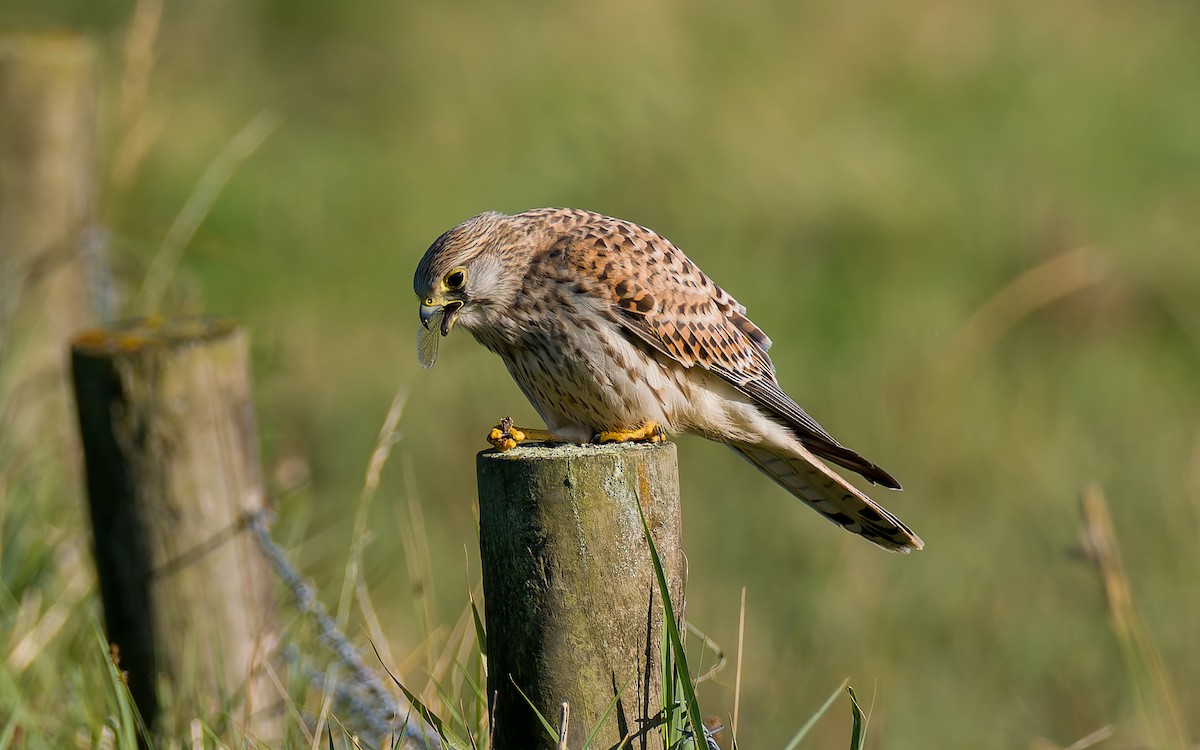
(173, 474)
(572, 607)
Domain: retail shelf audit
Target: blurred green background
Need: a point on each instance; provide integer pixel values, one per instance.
(970, 228)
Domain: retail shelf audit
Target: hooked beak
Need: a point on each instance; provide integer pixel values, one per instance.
(449, 313)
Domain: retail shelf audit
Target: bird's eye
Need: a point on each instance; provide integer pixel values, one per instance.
(456, 278)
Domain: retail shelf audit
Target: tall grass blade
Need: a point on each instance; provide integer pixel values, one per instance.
(858, 733)
(737, 680)
(129, 722)
(550, 730)
(670, 705)
(10, 729)
(480, 633)
(430, 718)
(447, 698)
(672, 630)
(477, 690)
(607, 712)
(812, 721)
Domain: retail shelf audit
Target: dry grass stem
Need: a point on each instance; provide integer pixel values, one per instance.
(366, 606)
(1194, 480)
(417, 558)
(1152, 689)
(737, 680)
(1034, 289)
(443, 669)
(42, 632)
(711, 645)
(1092, 739)
(563, 721)
(138, 127)
(292, 708)
(162, 269)
(323, 716)
(384, 442)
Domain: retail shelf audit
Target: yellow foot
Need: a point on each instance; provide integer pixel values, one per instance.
(650, 432)
(505, 436)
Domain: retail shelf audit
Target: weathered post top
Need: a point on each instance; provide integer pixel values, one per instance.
(572, 606)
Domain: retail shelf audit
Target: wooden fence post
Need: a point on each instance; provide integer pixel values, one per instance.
(572, 605)
(173, 474)
(48, 93)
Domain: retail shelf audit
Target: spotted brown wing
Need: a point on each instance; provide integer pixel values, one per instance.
(664, 300)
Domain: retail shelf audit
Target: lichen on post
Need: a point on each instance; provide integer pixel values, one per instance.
(571, 602)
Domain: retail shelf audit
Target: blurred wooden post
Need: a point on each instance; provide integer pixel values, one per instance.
(173, 474)
(572, 606)
(48, 92)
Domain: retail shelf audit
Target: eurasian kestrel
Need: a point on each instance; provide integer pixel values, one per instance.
(614, 334)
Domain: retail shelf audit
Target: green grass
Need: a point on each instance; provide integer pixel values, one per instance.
(865, 179)
(678, 725)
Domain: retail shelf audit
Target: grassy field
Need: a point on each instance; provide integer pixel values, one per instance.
(970, 229)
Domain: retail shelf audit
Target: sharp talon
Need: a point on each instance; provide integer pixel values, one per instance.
(504, 436)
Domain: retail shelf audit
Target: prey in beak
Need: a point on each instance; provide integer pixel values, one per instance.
(435, 319)
(432, 312)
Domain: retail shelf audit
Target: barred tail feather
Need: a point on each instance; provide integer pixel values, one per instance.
(809, 479)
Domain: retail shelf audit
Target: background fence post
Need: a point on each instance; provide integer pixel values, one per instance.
(48, 94)
(173, 476)
(572, 607)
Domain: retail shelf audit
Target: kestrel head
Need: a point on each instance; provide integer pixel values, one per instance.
(471, 270)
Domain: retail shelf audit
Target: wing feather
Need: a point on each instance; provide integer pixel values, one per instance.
(662, 298)
(833, 497)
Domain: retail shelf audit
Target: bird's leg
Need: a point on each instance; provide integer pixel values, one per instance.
(649, 432)
(505, 436)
